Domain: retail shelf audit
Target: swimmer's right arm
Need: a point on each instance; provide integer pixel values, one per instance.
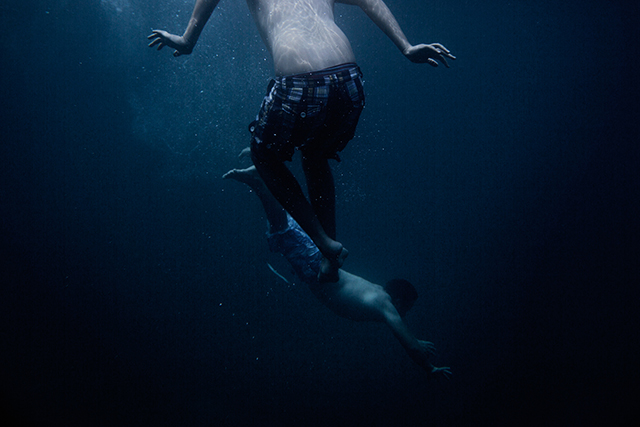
(184, 44)
(419, 351)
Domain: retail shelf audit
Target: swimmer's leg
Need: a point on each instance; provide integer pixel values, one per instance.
(245, 153)
(276, 215)
(286, 189)
(322, 195)
(322, 192)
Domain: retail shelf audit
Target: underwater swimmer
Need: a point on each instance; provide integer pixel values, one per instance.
(313, 105)
(350, 296)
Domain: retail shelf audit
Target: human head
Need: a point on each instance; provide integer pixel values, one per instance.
(402, 294)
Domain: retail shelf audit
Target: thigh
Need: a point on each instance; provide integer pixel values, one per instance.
(340, 122)
(270, 133)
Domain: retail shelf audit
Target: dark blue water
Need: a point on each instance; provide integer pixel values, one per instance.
(135, 287)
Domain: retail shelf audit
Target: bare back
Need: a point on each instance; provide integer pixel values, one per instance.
(354, 298)
(301, 35)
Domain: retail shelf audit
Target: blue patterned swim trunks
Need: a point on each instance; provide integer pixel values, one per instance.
(298, 249)
(315, 112)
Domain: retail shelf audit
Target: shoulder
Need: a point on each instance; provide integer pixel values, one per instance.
(368, 291)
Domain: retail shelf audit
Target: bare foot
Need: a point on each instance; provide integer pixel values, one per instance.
(245, 153)
(329, 267)
(247, 176)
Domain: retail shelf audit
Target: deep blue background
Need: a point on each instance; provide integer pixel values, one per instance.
(135, 289)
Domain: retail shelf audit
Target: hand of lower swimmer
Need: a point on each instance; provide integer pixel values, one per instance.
(428, 53)
(435, 371)
(163, 38)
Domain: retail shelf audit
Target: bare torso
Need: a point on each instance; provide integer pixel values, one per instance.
(301, 35)
(353, 297)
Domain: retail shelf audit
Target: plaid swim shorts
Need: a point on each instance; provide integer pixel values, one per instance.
(314, 112)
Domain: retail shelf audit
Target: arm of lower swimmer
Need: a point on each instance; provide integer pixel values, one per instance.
(399, 327)
(418, 350)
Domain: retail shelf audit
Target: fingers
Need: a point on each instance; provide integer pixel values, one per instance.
(443, 53)
(156, 39)
(157, 42)
(441, 58)
(445, 370)
(155, 34)
(428, 346)
(441, 49)
(154, 42)
(447, 373)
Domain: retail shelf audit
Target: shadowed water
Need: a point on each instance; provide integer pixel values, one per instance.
(136, 284)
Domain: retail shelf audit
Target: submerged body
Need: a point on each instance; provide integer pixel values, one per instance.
(351, 296)
(302, 38)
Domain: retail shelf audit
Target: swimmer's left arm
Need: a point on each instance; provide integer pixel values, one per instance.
(380, 14)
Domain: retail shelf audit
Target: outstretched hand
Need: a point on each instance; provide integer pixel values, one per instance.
(428, 53)
(435, 371)
(421, 354)
(163, 38)
(426, 349)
